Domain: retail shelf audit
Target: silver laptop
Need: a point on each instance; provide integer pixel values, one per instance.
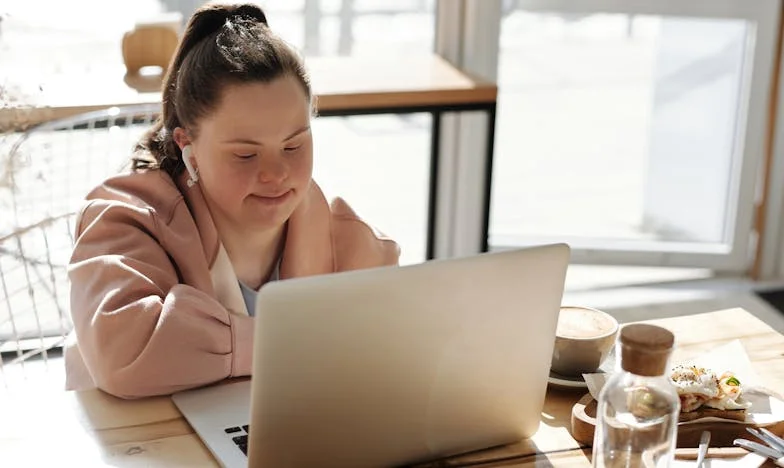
(391, 366)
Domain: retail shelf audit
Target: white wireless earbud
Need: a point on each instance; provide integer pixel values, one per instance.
(192, 171)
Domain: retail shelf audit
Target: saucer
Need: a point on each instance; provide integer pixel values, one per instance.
(566, 381)
(577, 381)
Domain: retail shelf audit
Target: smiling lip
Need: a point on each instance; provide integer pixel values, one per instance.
(273, 199)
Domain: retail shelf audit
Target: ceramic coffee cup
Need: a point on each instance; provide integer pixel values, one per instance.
(583, 339)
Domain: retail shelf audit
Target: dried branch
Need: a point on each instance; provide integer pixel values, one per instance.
(14, 120)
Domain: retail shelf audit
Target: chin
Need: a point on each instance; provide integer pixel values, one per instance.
(267, 219)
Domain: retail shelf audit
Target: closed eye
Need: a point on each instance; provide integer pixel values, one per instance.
(291, 149)
(245, 156)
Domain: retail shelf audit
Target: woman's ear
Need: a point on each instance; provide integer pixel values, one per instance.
(181, 137)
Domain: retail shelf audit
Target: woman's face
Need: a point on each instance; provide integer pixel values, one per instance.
(255, 154)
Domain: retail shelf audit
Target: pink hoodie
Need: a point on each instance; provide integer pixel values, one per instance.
(156, 305)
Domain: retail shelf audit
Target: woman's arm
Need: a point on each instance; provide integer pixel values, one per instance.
(139, 330)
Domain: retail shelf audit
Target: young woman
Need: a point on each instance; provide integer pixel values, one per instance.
(168, 259)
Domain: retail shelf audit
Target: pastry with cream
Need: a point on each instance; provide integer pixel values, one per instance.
(703, 394)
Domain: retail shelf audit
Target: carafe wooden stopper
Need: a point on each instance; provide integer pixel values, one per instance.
(645, 349)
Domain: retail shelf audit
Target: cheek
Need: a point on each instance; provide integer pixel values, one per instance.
(216, 182)
(301, 169)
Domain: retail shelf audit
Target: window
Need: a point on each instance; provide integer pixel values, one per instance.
(635, 136)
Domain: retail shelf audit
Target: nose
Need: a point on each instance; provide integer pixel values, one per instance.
(272, 170)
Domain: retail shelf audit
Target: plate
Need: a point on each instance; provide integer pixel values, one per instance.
(723, 432)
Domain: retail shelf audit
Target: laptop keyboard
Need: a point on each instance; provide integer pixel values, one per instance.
(239, 435)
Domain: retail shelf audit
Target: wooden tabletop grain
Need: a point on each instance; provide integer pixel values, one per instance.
(91, 428)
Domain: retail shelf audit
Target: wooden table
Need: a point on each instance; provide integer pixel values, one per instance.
(343, 86)
(93, 429)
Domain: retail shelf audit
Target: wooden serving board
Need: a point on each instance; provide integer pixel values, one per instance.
(722, 433)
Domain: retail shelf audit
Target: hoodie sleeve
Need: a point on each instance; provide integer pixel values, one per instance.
(358, 244)
(141, 332)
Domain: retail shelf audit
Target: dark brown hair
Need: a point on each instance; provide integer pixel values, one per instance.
(222, 45)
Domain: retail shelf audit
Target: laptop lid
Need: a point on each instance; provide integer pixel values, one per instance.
(397, 365)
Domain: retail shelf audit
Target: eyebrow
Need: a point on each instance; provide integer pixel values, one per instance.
(255, 142)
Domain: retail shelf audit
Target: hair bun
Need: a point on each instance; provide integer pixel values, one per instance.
(249, 11)
(212, 17)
